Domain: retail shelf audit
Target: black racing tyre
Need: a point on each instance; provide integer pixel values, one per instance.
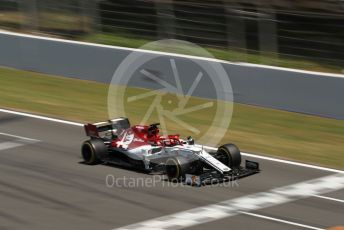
(93, 151)
(229, 154)
(176, 168)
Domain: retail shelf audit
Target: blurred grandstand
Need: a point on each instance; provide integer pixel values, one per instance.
(294, 33)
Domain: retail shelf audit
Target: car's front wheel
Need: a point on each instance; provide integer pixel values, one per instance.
(229, 154)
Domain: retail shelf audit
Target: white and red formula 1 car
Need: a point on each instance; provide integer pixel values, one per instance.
(141, 147)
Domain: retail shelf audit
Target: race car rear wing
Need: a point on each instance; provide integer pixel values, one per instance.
(91, 130)
(97, 129)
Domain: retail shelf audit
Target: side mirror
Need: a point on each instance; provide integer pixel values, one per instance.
(190, 140)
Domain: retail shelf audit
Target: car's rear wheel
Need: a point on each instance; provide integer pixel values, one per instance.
(93, 151)
(229, 154)
(176, 168)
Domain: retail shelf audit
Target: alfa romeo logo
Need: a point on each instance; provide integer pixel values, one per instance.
(185, 95)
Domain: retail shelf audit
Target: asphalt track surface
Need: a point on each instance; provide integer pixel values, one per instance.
(43, 185)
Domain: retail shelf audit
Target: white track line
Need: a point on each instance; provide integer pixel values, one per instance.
(169, 54)
(329, 198)
(207, 147)
(236, 206)
(9, 145)
(293, 163)
(19, 141)
(41, 117)
(281, 221)
(19, 137)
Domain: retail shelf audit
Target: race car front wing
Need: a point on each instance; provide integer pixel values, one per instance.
(214, 177)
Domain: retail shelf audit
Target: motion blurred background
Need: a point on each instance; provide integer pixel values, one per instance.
(306, 34)
(301, 34)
